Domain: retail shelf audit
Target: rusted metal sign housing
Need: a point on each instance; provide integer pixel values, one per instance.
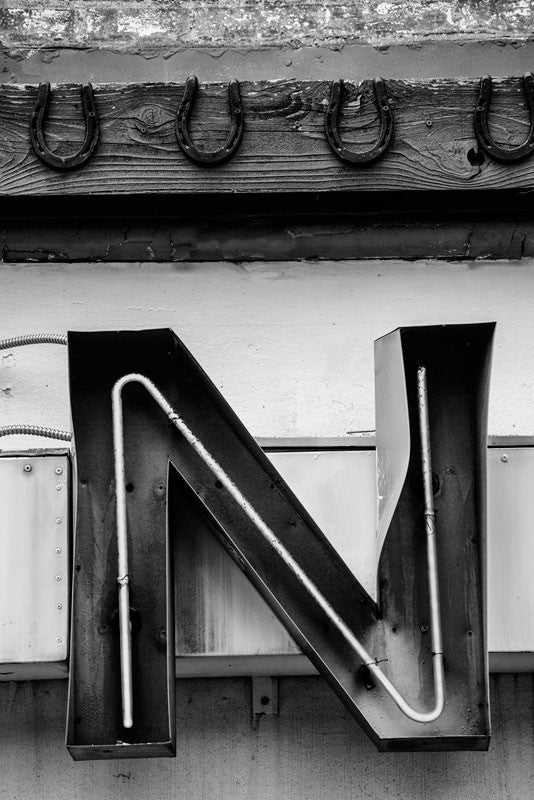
(94, 727)
(394, 630)
(457, 359)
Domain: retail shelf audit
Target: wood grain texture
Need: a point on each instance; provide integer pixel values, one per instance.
(284, 148)
(311, 750)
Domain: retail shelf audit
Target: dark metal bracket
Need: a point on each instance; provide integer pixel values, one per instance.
(482, 132)
(385, 115)
(235, 134)
(91, 130)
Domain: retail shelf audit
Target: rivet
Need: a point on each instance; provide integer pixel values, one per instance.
(429, 123)
(58, 550)
(59, 606)
(58, 578)
(27, 467)
(58, 487)
(59, 640)
(58, 471)
(424, 628)
(58, 520)
(504, 458)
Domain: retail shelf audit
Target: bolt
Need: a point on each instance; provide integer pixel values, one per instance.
(504, 458)
(27, 467)
(58, 550)
(58, 578)
(59, 606)
(58, 471)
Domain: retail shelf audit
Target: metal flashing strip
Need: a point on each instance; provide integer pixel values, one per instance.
(363, 440)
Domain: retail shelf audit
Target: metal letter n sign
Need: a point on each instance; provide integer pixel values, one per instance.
(158, 448)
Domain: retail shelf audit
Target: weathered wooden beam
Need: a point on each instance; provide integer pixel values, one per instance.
(283, 149)
(252, 238)
(268, 227)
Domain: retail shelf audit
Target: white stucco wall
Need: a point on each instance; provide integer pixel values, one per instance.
(289, 345)
(311, 750)
(291, 348)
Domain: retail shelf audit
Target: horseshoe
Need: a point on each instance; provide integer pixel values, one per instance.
(482, 133)
(385, 115)
(91, 130)
(235, 134)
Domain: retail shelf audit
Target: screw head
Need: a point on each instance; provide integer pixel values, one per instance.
(27, 467)
(58, 470)
(504, 458)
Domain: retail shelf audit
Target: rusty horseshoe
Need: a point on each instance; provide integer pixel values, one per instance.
(235, 134)
(385, 116)
(482, 133)
(91, 130)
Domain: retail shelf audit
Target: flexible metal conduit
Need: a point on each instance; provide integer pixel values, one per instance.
(276, 544)
(34, 430)
(32, 338)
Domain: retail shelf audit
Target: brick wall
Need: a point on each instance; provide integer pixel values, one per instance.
(256, 23)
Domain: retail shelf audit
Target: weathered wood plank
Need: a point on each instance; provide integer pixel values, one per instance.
(283, 149)
(252, 238)
(268, 227)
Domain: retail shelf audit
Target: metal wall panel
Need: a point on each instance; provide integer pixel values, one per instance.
(34, 567)
(324, 481)
(511, 558)
(218, 611)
